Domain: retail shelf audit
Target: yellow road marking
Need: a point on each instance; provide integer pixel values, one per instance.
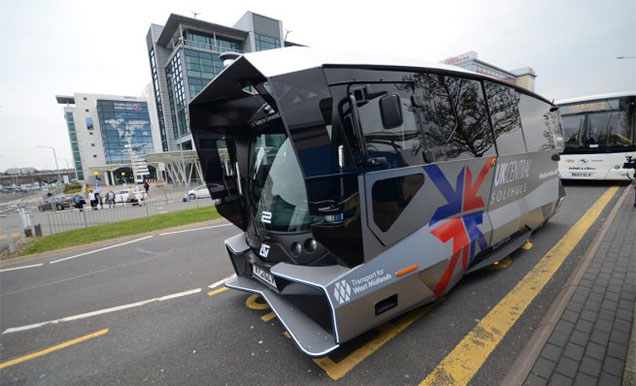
(51, 349)
(387, 332)
(251, 303)
(268, 317)
(468, 356)
(217, 291)
(527, 245)
(287, 335)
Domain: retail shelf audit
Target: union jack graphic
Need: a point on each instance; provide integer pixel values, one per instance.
(462, 230)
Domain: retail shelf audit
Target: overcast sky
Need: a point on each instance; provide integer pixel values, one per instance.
(61, 47)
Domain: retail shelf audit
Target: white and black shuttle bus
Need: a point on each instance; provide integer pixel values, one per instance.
(600, 135)
(365, 187)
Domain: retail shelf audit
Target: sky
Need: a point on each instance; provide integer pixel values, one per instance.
(52, 47)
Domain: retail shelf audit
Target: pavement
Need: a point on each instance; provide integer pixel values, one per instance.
(150, 310)
(589, 343)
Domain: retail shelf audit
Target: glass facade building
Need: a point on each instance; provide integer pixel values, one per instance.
(124, 122)
(184, 58)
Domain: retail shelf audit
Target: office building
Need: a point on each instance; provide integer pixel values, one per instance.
(184, 58)
(523, 77)
(105, 131)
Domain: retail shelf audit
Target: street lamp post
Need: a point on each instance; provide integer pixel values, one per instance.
(55, 156)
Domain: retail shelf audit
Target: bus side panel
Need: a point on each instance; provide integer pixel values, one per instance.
(506, 204)
(543, 189)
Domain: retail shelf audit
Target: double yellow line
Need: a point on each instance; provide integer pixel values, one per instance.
(461, 364)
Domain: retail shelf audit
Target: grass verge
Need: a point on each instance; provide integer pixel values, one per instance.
(120, 229)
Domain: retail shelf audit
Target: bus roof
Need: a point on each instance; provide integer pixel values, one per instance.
(281, 61)
(596, 97)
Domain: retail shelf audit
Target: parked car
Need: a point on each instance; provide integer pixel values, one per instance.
(199, 192)
(121, 196)
(59, 202)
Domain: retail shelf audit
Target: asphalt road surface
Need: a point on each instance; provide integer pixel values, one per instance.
(144, 313)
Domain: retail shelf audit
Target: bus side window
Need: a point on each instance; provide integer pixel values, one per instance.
(454, 117)
(503, 103)
(400, 146)
(538, 123)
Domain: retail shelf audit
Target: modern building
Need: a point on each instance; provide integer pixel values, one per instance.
(523, 77)
(106, 131)
(184, 58)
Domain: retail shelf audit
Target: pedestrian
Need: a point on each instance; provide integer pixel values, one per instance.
(79, 201)
(146, 186)
(110, 199)
(93, 200)
(132, 198)
(98, 194)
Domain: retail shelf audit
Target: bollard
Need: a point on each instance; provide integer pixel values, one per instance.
(85, 221)
(22, 223)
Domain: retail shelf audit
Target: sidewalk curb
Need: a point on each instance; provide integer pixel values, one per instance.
(629, 374)
(100, 244)
(520, 369)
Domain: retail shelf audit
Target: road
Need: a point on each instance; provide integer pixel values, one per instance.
(198, 336)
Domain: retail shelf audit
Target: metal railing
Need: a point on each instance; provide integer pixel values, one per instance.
(15, 222)
(70, 219)
(204, 46)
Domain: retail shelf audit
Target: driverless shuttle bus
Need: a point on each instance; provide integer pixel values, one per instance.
(365, 186)
(600, 134)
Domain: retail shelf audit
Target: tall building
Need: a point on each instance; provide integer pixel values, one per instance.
(184, 58)
(523, 77)
(104, 131)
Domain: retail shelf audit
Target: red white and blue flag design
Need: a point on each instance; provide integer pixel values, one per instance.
(463, 229)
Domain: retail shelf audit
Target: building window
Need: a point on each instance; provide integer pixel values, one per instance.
(92, 144)
(94, 155)
(86, 110)
(264, 42)
(89, 123)
(201, 68)
(90, 133)
(85, 98)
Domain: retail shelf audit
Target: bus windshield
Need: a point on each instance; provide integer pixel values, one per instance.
(277, 195)
(611, 129)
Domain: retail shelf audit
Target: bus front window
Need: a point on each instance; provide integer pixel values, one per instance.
(572, 130)
(619, 130)
(597, 130)
(277, 194)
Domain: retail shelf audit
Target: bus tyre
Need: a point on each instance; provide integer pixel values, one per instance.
(191, 196)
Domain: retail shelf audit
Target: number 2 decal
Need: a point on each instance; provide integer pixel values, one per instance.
(266, 217)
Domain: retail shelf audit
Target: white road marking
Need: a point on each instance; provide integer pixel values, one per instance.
(100, 312)
(100, 249)
(220, 282)
(23, 267)
(193, 229)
